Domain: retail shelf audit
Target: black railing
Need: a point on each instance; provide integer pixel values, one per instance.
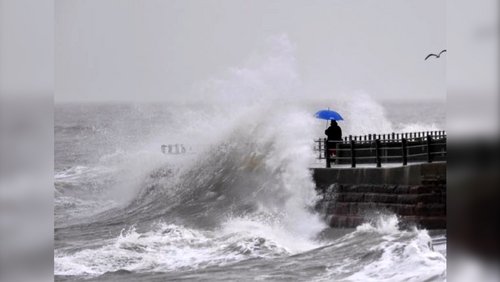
(426, 146)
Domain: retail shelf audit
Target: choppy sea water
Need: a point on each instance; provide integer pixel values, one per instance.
(236, 206)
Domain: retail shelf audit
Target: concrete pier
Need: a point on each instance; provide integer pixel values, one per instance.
(350, 196)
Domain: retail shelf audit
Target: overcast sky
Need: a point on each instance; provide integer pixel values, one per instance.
(154, 50)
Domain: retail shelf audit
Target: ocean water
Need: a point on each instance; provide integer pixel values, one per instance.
(236, 206)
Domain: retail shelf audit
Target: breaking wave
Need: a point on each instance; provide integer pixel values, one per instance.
(243, 195)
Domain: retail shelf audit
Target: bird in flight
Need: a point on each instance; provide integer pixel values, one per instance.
(434, 55)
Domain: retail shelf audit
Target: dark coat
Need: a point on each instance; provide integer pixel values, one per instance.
(334, 133)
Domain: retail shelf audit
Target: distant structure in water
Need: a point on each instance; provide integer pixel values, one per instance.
(173, 149)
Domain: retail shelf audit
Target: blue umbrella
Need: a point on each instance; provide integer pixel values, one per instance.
(328, 115)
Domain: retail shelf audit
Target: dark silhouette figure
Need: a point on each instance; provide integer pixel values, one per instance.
(334, 133)
(434, 55)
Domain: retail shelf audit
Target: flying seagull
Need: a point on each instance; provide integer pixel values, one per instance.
(434, 55)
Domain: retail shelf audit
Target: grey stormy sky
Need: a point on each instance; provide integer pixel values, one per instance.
(156, 50)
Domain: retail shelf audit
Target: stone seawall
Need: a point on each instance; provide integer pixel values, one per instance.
(416, 193)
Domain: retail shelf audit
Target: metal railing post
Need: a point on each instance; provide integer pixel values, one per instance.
(377, 152)
(429, 153)
(337, 145)
(320, 148)
(327, 153)
(353, 153)
(405, 153)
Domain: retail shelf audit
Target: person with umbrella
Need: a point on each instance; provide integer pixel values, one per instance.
(334, 132)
